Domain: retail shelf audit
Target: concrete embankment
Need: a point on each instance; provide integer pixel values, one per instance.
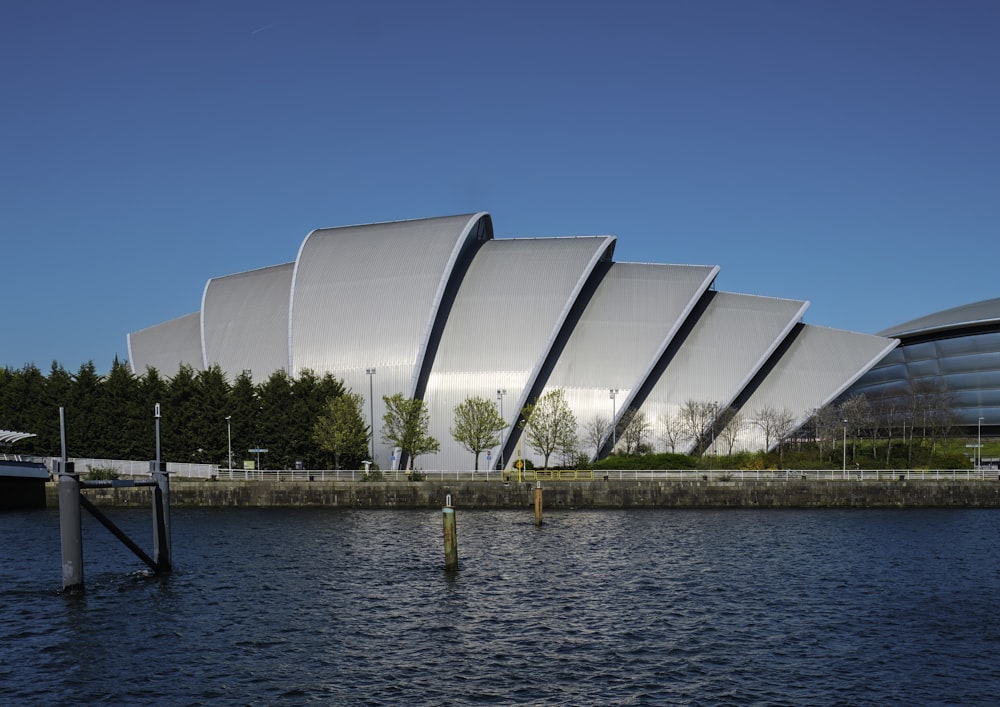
(560, 494)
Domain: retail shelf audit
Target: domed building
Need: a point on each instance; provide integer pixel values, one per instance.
(955, 352)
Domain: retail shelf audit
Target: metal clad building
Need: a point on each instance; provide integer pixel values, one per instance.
(440, 310)
(955, 351)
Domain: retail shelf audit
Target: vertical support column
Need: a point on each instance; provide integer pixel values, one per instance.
(450, 537)
(161, 516)
(70, 527)
(538, 503)
(161, 505)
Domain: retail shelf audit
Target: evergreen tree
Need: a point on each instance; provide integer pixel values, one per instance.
(274, 420)
(210, 415)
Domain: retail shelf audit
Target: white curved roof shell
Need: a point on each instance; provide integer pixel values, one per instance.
(367, 297)
(819, 365)
(726, 347)
(507, 314)
(633, 315)
(167, 346)
(244, 323)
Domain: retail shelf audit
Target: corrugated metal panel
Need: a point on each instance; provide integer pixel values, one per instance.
(245, 321)
(727, 346)
(367, 297)
(166, 346)
(507, 313)
(628, 323)
(818, 366)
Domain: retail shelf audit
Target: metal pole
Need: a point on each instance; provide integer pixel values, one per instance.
(161, 505)
(70, 527)
(229, 440)
(500, 393)
(371, 408)
(979, 444)
(844, 471)
(614, 427)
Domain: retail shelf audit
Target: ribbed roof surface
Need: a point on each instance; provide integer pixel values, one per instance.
(168, 345)
(633, 315)
(819, 365)
(508, 311)
(968, 314)
(245, 320)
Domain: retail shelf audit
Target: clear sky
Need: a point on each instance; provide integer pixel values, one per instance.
(846, 153)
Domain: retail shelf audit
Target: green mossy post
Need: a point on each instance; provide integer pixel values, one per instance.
(450, 538)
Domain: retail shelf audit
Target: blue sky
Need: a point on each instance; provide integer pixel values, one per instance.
(846, 153)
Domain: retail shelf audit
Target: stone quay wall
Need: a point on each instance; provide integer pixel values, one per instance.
(559, 495)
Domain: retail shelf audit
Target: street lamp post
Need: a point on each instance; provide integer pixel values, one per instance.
(229, 439)
(500, 393)
(979, 444)
(371, 407)
(845, 449)
(614, 412)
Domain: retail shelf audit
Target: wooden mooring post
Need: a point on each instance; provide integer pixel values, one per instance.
(538, 503)
(450, 537)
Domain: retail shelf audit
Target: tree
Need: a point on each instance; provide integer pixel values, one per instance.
(595, 431)
(774, 424)
(404, 425)
(732, 430)
(550, 425)
(673, 431)
(341, 430)
(697, 418)
(477, 426)
(636, 431)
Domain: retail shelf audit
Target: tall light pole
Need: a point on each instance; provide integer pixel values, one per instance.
(229, 439)
(979, 443)
(371, 407)
(614, 428)
(500, 393)
(845, 449)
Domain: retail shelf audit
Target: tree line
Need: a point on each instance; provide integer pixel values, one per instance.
(316, 421)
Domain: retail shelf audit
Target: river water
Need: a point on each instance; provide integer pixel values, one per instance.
(734, 607)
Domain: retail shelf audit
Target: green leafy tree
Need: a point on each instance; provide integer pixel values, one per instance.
(310, 395)
(477, 426)
(341, 430)
(550, 425)
(404, 425)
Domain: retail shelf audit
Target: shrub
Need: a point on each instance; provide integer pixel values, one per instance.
(101, 473)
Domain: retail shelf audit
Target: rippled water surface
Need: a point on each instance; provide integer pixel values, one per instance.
(637, 607)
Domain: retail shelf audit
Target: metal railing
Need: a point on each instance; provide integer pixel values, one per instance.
(140, 469)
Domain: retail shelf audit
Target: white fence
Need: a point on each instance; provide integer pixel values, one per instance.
(134, 469)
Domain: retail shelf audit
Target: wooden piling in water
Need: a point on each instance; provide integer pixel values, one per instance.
(538, 503)
(450, 538)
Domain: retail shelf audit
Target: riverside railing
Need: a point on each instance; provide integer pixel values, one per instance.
(530, 475)
(179, 471)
